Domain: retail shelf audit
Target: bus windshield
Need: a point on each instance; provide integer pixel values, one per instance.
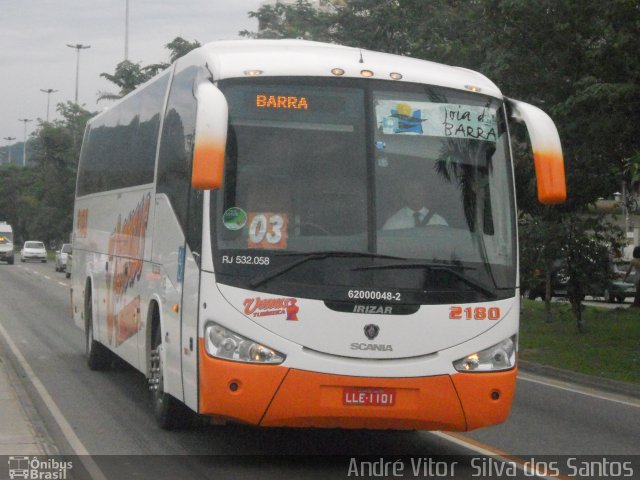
(401, 192)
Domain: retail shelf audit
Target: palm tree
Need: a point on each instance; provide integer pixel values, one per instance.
(128, 76)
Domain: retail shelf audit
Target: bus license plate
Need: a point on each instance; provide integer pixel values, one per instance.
(376, 397)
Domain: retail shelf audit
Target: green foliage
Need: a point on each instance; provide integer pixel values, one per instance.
(300, 20)
(38, 200)
(129, 75)
(609, 349)
(180, 47)
(577, 247)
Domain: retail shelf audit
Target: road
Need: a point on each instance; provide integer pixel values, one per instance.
(107, 413)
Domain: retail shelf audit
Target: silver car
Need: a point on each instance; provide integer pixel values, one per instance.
(62, 257)
(33, 250)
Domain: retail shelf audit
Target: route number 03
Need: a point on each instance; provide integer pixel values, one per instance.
(477, 313)
(267, 230)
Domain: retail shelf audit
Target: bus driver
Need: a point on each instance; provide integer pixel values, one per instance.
(415, 212)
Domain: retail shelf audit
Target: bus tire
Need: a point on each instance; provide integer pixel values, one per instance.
(169, 412)
(98, 356)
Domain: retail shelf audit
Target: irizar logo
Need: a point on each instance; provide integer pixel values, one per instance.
(371, 346)
(375, 309)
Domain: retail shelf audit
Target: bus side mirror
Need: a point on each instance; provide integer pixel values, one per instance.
(547, 151)
(210, 140)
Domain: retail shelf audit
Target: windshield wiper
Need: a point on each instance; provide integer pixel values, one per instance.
(308, 256)
(436, 267)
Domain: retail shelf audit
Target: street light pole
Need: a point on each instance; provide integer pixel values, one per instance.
(78, 47)
(9, 139)
(48, 91)
(24, 145)
(126, 31)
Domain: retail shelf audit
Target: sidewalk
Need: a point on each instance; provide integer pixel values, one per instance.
(17, 435)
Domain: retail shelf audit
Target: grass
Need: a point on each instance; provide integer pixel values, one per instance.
(610, 346)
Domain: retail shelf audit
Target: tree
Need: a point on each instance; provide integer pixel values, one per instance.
(590, 245)
(300, 20)
(180, 47)
(541, 245)
(129, 75)
(38, 200)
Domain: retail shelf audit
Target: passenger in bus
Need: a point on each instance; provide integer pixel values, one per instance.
(415, 212)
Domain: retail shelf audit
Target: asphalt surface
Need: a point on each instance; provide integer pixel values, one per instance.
(108, 412)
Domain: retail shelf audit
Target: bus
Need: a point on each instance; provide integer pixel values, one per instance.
(241, 238)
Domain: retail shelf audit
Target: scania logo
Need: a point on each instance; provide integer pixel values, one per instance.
(379, 347)
(371, 331)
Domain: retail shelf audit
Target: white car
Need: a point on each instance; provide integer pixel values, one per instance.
(33, 250)
(62, 256)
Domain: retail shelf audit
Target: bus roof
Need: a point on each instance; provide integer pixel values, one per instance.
(231, 59)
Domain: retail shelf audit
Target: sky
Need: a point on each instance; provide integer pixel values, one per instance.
(34, 55)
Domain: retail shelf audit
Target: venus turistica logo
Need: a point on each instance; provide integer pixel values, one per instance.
(263, 307)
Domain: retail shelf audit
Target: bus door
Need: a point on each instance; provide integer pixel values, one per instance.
(189, 323)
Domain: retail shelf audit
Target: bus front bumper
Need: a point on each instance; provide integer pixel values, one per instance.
(276, 396)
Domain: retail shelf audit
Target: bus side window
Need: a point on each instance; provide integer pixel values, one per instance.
(176, 151)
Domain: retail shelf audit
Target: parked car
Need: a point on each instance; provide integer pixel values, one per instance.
(33, 250)
(539, 285)
(615, 290)
(61, 257)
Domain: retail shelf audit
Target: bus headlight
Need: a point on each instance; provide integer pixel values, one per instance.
(221, 342)
(501, 356)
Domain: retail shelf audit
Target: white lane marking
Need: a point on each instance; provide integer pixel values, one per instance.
(575, 389)
(65, 426)
(45, 276)
(488, 451)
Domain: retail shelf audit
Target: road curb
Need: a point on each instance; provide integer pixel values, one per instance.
(25, 433)
(612, 386)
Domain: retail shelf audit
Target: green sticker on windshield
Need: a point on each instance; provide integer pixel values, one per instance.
(234, 218)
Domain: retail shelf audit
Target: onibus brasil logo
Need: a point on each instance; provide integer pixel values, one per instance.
(34, 468)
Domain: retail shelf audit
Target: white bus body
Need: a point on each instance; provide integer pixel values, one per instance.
(272, 293)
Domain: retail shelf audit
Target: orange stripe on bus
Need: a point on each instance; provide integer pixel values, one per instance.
(208, 164)
(550, 177)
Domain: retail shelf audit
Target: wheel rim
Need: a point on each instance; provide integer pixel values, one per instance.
(156, 377)
(89, 338)
(89, 329)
